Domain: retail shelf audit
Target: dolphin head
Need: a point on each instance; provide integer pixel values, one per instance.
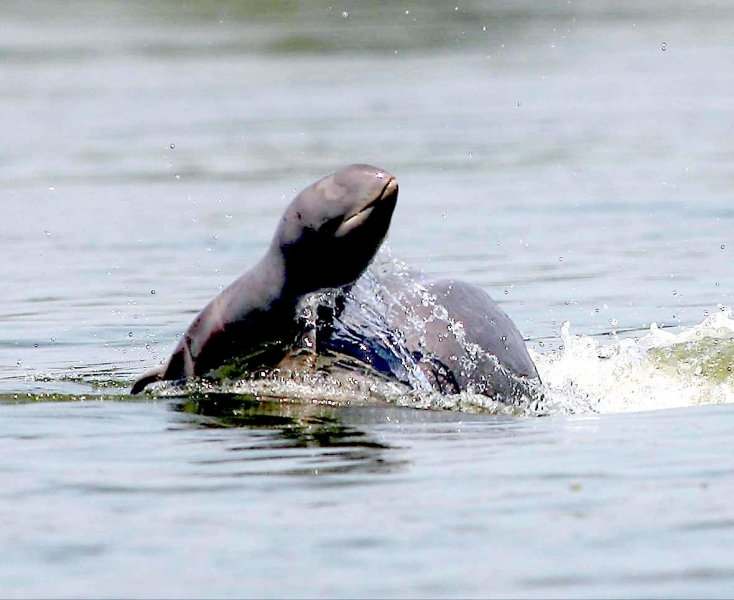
(331, 231)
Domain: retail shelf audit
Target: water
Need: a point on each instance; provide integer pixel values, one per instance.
(571, 158)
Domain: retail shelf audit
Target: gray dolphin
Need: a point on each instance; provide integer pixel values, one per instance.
(327, 237)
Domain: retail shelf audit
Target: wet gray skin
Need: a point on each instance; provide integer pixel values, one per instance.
(486, 355)
(256, 320)
(445, 335)
(346, 215)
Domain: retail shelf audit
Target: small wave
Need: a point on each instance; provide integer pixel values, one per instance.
(650, 370)
(337, 389)
(657, 370)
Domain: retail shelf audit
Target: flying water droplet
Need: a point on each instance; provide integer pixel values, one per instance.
(440, 312)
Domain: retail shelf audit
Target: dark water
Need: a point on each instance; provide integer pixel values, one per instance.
(572, 158)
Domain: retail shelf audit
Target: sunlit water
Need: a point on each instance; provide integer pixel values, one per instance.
(572, 159)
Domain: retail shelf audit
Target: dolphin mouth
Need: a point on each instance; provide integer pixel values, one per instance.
(357, 219)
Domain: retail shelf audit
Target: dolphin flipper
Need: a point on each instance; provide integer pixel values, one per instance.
(155, 374)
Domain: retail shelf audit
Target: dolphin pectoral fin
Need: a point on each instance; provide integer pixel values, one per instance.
(155, 374)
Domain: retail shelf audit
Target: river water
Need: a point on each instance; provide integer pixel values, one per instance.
(572, 158)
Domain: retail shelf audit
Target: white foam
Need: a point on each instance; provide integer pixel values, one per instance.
(658, 370)
(655, 370)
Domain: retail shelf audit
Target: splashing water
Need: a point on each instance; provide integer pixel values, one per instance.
(653, 369)
(366, 344)
(658, 370)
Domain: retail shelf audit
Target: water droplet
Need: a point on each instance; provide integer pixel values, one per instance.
(560, 259)
(440, 312)
(675, 293)
(178, 177)
(172, 146)
(519, 103)
(345, 14)
(664, 46)
(471, 154)
(130, 334)
(723, 246)
(48, 233)
(506, 292)
(51, 188)
(380, 175)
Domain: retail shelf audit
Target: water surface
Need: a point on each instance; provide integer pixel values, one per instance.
(572, 158)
